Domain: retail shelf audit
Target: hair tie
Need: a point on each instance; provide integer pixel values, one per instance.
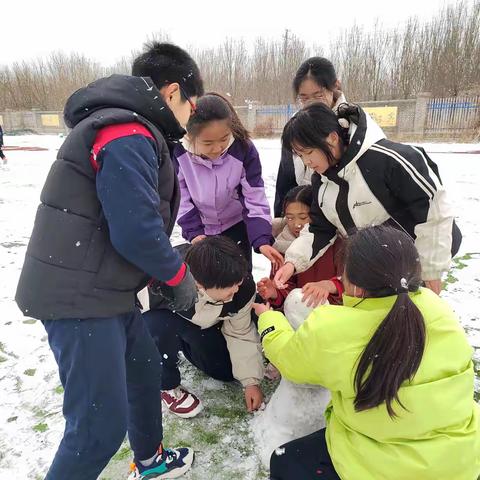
(403, 286)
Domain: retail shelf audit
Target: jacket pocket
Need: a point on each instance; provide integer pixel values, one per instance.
(117, 273)
(60, 238)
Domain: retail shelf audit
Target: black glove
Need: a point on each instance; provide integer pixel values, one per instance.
(179, 298)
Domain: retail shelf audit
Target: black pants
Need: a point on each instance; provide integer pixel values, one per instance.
(238, 233)
(206, 349)
(2, 155)
(306, 458)
(110, 371)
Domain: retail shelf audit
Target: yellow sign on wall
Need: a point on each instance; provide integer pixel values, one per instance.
(50, 120)
(384, 116)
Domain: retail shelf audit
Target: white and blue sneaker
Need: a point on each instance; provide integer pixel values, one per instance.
(168, 463)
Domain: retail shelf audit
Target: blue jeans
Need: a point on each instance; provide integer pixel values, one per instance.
(110, 370)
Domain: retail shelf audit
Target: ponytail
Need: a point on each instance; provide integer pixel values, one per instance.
(392, 356)
(384, 262)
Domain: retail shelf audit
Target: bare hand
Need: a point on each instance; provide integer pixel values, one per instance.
(266, 289)
(283, 275)
(316, 293)
(253, 397)
(434, 285)
(271, 372)
(260, 308)
(198, 238)
(275, 257)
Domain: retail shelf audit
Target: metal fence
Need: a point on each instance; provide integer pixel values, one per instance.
(453, 114)
(418, 118)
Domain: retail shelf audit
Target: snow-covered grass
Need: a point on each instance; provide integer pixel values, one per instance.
(31, 422)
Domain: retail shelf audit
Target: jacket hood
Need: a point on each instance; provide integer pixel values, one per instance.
(137, 94)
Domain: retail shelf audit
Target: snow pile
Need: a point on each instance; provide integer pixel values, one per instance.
(294, 410)
(31, 422)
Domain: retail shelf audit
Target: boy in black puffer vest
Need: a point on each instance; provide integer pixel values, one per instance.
(101, 232)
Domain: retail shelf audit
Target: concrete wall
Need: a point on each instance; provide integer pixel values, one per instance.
(34, 121)
(402, 119)
(405, 119)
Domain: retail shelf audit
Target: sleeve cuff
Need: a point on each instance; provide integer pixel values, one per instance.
(247, 382)
(338, 285)
(433, 274)
(265, 240)
(276, 302)
(299, 265)
(189, 236)
(269, 321)
(179, 276)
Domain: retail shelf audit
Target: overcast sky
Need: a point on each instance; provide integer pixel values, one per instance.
(107, 30)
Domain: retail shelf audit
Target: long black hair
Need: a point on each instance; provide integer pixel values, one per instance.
(213, 106)
(310, 127)
(320, 70)
(383, 261)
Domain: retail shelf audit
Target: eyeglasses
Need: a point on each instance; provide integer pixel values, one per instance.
(319, 96)
(187, 98)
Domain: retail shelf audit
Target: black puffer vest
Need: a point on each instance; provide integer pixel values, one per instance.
(71, 269)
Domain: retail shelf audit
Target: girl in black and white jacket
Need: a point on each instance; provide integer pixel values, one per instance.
(363, 179)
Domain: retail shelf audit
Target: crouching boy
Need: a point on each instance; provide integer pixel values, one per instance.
(217, 334)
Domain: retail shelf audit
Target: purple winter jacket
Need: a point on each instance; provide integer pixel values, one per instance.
(217, 194)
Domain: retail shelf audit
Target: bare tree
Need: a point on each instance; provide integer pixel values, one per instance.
(439, 55)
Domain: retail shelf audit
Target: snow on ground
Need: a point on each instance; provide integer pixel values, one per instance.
(31, 422)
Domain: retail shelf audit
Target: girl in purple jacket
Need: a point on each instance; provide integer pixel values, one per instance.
(220, 175)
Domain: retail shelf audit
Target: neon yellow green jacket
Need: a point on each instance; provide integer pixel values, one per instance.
(436, 438)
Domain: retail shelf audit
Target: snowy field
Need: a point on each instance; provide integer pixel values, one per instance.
(31, 422)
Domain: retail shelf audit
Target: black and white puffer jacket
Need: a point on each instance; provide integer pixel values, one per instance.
(379, 181)
(292, 172)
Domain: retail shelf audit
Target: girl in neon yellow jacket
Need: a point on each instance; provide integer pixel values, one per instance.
(398, 365)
